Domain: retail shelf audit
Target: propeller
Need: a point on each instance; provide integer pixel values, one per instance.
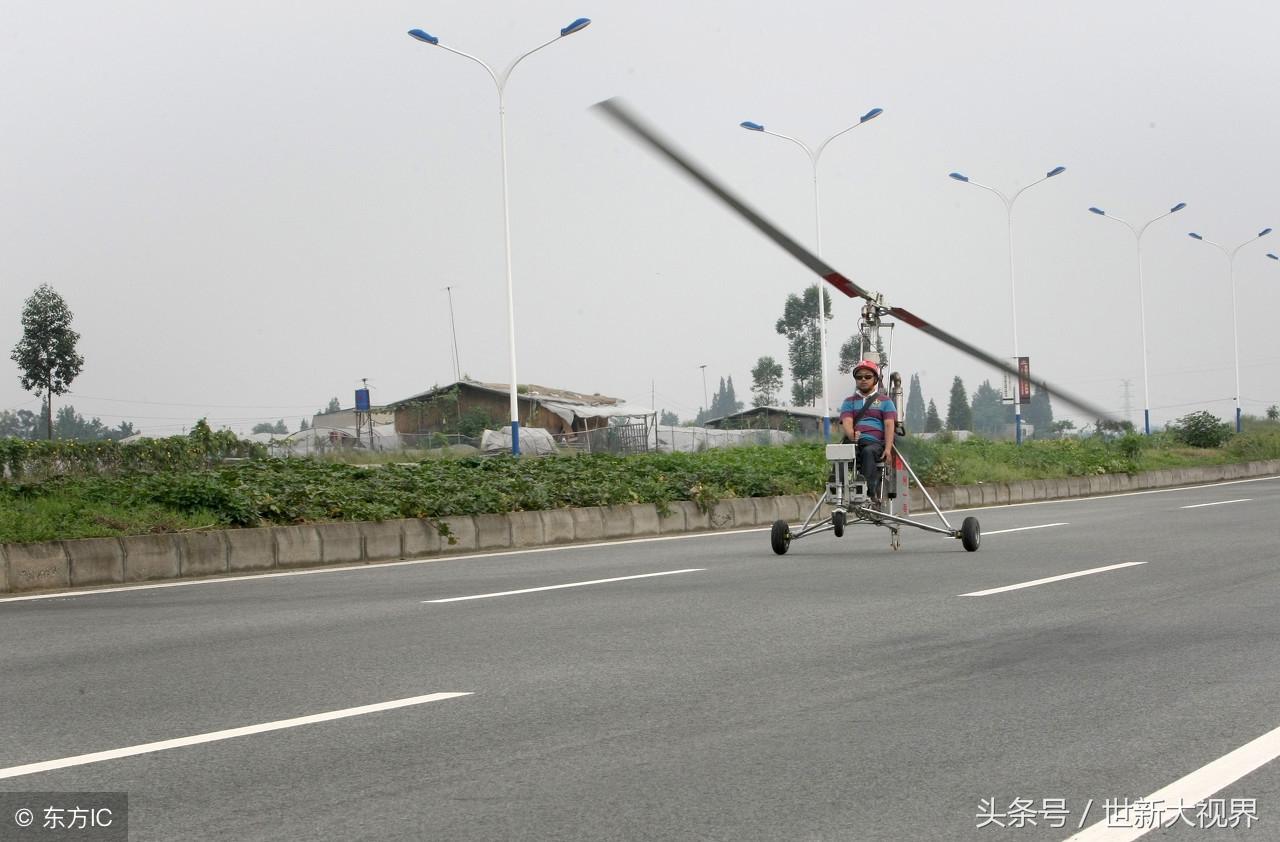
(624, 116)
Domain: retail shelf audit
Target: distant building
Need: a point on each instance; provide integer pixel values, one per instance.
(802, 421)
(593, 423)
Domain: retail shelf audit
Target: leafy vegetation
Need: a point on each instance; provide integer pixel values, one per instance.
(47, 354)
(283, 491)
(1201, 429)
(68, 490)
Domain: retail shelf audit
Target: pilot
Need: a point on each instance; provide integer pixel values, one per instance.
(868, 418)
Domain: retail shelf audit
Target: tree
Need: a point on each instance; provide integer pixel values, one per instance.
(1039, 413)
(669, 419)
(333, 406)
(799, 323)
(932, 423)
(851, 354)
(303, 425)
(1060, 427)
(766, 382)
(914, 411)
(46, 353)
(1273, 413)
(959, 415)
(276, 428)
(989, 411)
(71, 426)
(725, 402)
(22, 424)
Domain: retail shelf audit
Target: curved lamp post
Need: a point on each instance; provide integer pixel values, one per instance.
(1013, 295)
(1235, 332)
(500, 80)
(1142, 310)
(814, 155)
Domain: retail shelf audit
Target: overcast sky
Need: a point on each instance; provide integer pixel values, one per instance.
(250, 207)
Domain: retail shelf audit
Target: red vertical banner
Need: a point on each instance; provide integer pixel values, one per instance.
(1024, 380)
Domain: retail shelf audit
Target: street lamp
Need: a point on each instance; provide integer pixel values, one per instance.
(1235, 333)
(706, 406)
(814, 155)
(1013, 296)
(1142, 311)
(500, 80)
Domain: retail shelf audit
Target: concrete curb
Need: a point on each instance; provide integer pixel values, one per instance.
(95, 562)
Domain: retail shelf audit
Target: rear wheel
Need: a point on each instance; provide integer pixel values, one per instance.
(837, 523)
(970, 534)
(780, 537)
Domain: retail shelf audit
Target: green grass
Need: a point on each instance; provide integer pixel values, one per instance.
(60, 517)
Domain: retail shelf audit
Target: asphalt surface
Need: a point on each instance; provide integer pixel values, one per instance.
(843, 691)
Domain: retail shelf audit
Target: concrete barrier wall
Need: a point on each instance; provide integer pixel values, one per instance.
(95, 562)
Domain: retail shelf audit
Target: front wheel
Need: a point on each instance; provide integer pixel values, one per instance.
(970, 534)
(837, 523)
(780, 537)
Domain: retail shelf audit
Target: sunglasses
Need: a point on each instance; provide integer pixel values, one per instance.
(864, 377)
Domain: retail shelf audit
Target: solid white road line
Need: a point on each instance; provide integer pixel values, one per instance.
(213, 736)
(1054, 579)
(1022, 529)
(569, 585)
(1186, 792)
(1219, 503)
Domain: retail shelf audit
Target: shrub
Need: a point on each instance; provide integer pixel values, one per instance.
(1201, 429)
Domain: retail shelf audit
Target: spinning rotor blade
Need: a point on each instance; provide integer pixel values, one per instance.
(615, 109)
(620, 113)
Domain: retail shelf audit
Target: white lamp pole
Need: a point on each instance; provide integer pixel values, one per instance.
(814, 155)
(707, 406)
(1013, 294)
(1235, 332)
(500, 80)
(1142, 310)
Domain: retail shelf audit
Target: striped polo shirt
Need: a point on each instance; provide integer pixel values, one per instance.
(871, 424)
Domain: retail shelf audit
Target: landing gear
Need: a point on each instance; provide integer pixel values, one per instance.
(847, 503)
(970, 534)
(780, 537)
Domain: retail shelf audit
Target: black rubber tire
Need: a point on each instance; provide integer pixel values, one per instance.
(970, 534)
(780, 537)
(837, 523)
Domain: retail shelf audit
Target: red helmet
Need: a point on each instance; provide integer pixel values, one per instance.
(870, 366)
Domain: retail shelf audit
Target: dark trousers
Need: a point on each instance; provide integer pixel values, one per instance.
(868, 452)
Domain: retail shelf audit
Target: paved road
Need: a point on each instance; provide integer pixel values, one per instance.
(841, 692)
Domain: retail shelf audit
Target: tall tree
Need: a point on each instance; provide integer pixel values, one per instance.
(851, 354)
(932, 422)
(989, 411)
(799, 323)
(46, 353)
(725, 402)
(914, 411)
(669, 419)
(959, 414)
(333, 406)
(766, 382)
(1039, 414)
